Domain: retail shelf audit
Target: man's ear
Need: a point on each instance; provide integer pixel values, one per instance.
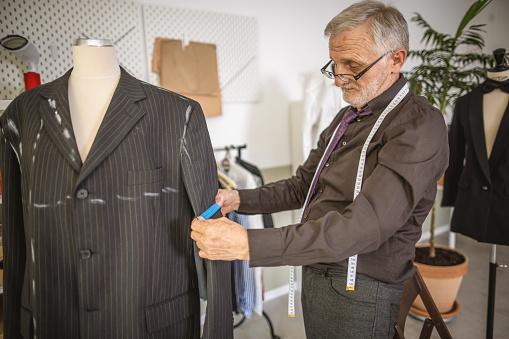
(397, 59)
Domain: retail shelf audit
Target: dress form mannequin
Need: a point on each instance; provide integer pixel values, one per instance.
(91, 86)
(495, 103)
(494, 106)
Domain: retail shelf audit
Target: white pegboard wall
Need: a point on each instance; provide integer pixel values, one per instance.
(53, 25)
(235, 37)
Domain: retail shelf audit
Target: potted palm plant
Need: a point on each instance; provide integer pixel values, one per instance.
(449, 67)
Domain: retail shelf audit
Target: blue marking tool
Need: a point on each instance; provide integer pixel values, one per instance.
(210, 212)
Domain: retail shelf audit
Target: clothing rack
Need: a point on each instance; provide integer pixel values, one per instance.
(228, 148)
(239, 149)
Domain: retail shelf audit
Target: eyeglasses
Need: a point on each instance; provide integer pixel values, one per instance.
(348, 77)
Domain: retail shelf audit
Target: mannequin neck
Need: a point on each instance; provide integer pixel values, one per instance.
(499, 76)
(92, 62)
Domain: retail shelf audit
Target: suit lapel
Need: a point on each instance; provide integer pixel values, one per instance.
(477, 130)
(56, 118)
(121, 116)
(502, 139)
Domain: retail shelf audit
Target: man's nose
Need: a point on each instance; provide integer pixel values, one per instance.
(338, 82)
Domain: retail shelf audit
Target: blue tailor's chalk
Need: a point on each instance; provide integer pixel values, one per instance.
(211, 211)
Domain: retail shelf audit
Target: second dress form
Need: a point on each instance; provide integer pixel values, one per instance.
(494, 106)
(92, 83)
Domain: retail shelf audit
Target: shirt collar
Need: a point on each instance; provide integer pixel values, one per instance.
(379, 103)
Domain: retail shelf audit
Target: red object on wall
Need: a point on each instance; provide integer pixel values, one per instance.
(32, 79)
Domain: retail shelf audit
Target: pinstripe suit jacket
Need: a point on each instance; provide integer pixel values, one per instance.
(102, 249)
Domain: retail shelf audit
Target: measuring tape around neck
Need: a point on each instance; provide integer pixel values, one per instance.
(352, 261)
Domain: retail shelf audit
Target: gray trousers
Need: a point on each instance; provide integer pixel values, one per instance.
(330, 311)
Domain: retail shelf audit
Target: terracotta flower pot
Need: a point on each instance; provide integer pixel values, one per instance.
(443, 283)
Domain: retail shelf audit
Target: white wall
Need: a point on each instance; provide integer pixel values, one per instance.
(291, 46)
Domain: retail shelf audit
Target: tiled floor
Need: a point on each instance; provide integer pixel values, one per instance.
(469, 323)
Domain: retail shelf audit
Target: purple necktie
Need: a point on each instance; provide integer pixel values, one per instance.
(350, 116)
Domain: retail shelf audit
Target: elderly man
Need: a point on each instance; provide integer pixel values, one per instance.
(365, 190)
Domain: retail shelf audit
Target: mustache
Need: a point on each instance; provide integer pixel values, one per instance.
(349, 86)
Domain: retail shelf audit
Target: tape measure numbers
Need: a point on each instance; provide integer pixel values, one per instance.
(291, 294)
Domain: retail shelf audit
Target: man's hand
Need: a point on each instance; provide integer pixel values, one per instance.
(220, 239)
(229, 200)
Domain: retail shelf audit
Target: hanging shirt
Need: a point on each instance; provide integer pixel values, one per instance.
(322, 101)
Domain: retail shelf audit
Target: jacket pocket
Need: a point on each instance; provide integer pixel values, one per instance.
(145, 177)
(169, 312)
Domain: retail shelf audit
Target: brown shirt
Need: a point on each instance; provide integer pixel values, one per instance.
(406, 157)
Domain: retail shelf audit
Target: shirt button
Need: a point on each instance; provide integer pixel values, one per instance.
(82, 193)
(484, 188)
(327, 165)
(344, 143)
(85, 254)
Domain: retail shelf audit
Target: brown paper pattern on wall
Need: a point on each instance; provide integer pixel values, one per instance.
(190, 71)
(235, 37)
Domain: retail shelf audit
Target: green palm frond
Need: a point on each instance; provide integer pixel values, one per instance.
(450, 66)
(473, 36)
(472, 12)
(430, 36)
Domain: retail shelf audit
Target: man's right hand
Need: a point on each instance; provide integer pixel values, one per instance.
(229, 200)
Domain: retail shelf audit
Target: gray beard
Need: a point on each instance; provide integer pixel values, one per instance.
(365, 94)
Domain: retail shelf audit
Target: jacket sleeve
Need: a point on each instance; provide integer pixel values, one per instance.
(200, 179)
(13, 235)
(457, 155)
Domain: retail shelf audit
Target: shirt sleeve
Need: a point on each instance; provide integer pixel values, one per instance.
(290, 193)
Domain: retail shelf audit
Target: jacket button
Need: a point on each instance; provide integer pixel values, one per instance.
(327, 165)
(484, 188)
(82, 193)
(85, 254)
(305, 216)
(320, 191)
(344, 143)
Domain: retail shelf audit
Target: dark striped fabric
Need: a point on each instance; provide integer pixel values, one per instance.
(103, 249)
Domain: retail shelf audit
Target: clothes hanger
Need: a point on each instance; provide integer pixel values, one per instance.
(225, 163)
(226, 181)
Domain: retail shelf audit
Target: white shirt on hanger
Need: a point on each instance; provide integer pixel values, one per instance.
(322, 101)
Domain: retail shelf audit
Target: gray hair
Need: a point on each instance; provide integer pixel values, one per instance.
(386, 24)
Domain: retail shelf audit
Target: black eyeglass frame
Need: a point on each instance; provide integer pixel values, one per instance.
(333, 75)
